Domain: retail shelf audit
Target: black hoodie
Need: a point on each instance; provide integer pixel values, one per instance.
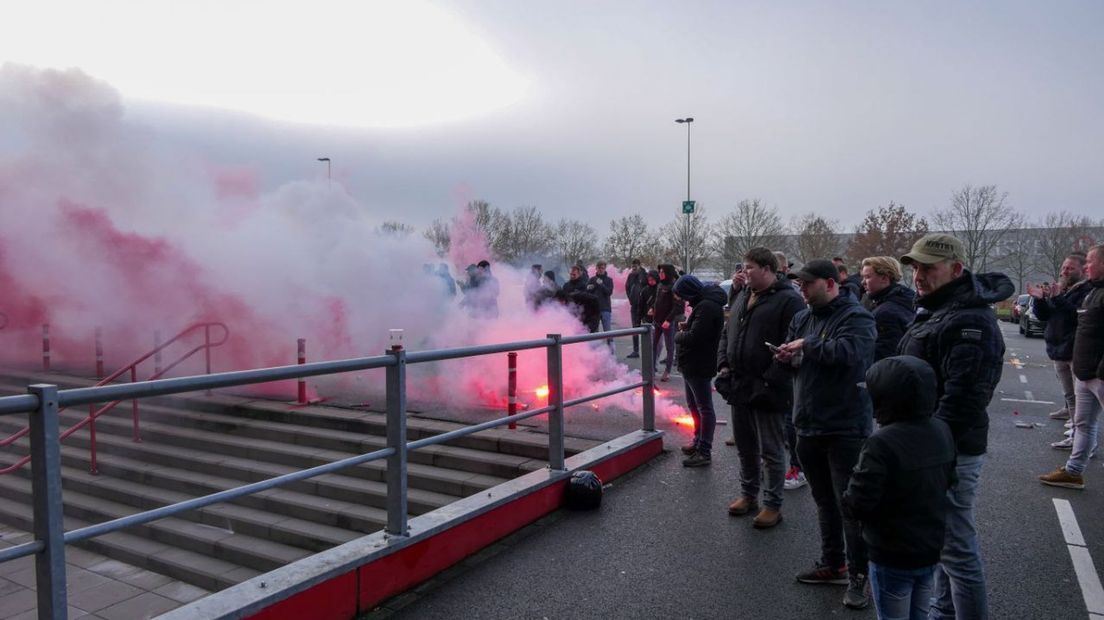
(647, 295)
(956, 332)
(893, 310)
(696, 352)
(898, 490)
(665, 306)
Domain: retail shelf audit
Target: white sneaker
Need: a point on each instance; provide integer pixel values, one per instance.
(1068, 433)
(1069, 424)
(1065, 444)
(795, 482)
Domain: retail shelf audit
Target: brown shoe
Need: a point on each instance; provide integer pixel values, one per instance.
(742, 506)
(767, 518)
(1062, 478)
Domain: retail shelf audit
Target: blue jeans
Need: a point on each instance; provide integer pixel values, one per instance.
(607, 323)
(901, 593)
(1086, 418)
(959, 585)
(699, 399)
(668, 336)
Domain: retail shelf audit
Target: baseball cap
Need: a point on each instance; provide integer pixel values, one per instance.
(934, 248)
(816, 269)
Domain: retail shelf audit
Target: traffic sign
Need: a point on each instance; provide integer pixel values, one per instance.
(687, 206)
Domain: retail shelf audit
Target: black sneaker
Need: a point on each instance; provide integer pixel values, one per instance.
(858, 592)
(697, 459)
(632, 356)
(821, 573)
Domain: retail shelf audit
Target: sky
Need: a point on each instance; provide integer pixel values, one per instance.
(829, 107)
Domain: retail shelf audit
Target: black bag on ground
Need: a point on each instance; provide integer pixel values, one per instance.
(584, 491)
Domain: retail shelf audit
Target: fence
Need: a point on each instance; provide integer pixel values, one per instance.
(43, 402)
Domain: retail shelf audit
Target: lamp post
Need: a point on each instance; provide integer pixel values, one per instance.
(328, 182)
(690, 209)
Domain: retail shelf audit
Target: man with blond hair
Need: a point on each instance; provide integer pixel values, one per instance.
(890, 302)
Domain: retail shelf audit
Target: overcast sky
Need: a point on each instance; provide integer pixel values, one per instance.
(833, 107)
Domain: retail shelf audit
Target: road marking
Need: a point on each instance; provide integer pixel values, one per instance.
(1017, 363)
(1029, 395)
(1035, 402)
(1087, 577)
(1023, 378)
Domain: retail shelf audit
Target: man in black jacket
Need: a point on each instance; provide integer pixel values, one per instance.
(634, 283)
(831, 344)
(664, 310)
(601, 286)
(897, 491)
(1057, 305)
(956, 331)
(890, 303)
(762, 391)
(1088, 374)
(697, 361)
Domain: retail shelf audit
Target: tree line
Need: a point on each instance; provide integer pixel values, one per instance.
(995, 234)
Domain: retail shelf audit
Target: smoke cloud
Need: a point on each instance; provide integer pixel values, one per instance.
(103, 225)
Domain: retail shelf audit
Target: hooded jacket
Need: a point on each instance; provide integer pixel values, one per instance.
(898, 490)
(634, 282)
(696, 352)
(1060, 314)
(647, 295)
(757, 381)
(1088, 345)
(838, 348)
(956, 332)
(893, 310)
(665, 306)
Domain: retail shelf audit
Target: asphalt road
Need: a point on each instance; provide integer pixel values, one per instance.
(663, 545)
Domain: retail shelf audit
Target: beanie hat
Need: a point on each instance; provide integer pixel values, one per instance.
(688, 287)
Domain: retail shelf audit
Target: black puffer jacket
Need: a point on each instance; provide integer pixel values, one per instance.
(1060, 313)
(893, 311)
(1088, 346)
(838, 348)
(696, 353)
(956, 332)
(759, 382)
(665, 306)
(898, 489)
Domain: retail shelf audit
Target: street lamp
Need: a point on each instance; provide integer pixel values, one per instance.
(328, 182)
(687, 207)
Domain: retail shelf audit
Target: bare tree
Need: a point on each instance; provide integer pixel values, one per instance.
(751, 225)
(630, 238)
(440, 236)
(520, 235)
(886, 231)
(396, 229)
(979, 217)
(1060, 234)
(682, 239)
(817, 237)
(1016, 255)
(575, 242)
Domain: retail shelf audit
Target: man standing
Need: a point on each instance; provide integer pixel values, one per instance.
(664, 310)
(831, 344)
(576, 282)
(634, 284)
(601, 286)
(762, 391)
(956, 332)
(1057, 305)
(1088, 374)
(697, 361)
(890, 303)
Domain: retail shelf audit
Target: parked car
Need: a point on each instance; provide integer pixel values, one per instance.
(1018, 308)
(1030, 325)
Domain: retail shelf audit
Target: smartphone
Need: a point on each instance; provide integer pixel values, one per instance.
(772, 347)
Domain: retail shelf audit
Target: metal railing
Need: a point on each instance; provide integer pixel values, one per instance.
(94, 413)
(44, 401)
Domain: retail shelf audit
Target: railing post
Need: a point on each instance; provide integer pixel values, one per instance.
(46, 485)
(99, 354)
(396, 440)
(647, 373)
(46, 347)
(302, 400)
(555, 400)
(511, 387)
(157, 353)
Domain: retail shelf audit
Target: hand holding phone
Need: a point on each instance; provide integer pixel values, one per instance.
(773, 348)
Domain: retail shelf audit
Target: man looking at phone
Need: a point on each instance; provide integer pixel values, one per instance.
(830, 345)
(762, 390)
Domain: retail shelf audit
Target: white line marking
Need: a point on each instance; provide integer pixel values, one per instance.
(1020, 400)
(1029, 395)
(1087, 577)
(1070, 530)
(1023, 379)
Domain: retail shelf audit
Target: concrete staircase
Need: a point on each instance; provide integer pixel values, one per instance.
(195, 445)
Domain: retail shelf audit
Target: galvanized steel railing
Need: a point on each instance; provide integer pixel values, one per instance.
(44, 401)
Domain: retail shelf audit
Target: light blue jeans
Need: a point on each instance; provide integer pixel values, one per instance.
(607, 323)
(959, 584)
(1086, 418)
(900, 593)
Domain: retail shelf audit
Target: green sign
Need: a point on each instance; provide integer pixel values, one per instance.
(687, 206)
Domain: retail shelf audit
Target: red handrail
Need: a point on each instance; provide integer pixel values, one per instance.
(132, 367)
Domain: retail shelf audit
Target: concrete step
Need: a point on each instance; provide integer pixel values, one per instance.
(226, 545)
(181, 564)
